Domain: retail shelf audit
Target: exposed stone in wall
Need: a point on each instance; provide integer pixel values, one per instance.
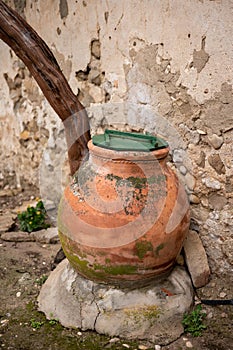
(63, 8)
(27, 131)
(21, 83)
(92, 79)
(216, 162)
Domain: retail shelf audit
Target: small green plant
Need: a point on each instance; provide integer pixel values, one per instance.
(34, 218)
(53, 322)
(36, 324)
(192, 322)
(41, 280)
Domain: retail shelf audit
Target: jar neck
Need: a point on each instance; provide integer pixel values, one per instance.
(127, 156)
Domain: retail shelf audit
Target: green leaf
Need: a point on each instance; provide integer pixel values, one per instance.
(192, 322)
(34, 218)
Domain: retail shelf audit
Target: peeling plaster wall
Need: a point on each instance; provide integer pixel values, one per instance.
(169, 63)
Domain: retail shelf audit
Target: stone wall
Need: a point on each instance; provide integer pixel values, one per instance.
(157, 66)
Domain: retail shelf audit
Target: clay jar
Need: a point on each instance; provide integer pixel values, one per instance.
(124, 217)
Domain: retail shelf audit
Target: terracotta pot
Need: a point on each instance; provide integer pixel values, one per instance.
(124, 218)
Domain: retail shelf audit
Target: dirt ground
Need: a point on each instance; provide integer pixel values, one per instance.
(24, 266)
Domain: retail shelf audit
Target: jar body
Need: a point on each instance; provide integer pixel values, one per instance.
(124, 218)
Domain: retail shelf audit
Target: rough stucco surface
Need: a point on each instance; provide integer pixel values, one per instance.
(168, 63)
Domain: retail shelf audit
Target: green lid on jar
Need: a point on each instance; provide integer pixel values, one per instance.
(128, 141)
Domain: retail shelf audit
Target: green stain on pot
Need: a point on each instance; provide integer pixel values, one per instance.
(83, 267)
(117, 269)
(137, 182)
(78, 262)
(112, 177)
(121, 270)
(158, 248)
(66, 243)
(81, 264)
(96, 271)
(142, 247)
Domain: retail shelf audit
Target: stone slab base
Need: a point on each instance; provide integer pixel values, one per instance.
(153, 313)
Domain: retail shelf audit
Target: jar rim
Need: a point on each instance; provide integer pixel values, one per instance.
(101, 152)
